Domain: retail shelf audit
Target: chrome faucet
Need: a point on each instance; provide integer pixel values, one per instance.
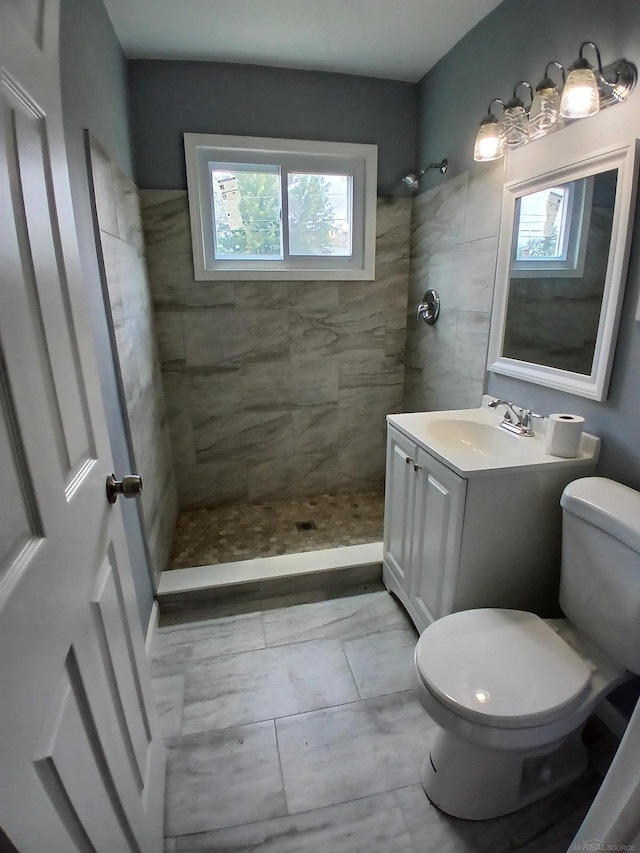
(515, 421)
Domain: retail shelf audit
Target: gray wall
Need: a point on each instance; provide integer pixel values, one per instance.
(169, 98)
(511, 44)
(93, 82)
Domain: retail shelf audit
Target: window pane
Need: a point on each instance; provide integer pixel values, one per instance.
(541, 225)
(320, 214)
(247, 212)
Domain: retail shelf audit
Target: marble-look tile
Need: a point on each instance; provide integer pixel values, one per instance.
(165, 215)
(548, 825)
(472, 340)
(287, 475)
(382, 663)
(484, 201)
(264, 684)
(210, 483)
(361, 467)
(169, 845)
(249, 295)
(315, 429)
(250, 437)
(223, 778)
(351, 751)
(226, 337)
(169, 336)
(201, 605)
(179, 645)
(314, 380)
(438, 216)
(169, 695)
(314, 299)
(369, 825)
(343, 618)
(212, 393)
(339, 583)
(103, 188)
(464, 275)
(128, 213)
(267, 386)
(449, 391)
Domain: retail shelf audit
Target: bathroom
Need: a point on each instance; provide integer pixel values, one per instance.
(135, 113)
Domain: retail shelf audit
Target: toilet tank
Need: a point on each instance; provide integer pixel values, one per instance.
(600, 575)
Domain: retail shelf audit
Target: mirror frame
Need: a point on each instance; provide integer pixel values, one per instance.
(568, 154)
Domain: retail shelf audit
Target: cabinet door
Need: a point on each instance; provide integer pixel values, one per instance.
(398, 508)
(437, 534)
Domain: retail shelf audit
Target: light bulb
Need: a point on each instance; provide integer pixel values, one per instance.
(580, 97)
(488, 145)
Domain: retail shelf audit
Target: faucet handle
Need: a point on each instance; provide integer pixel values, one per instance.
(526, 416)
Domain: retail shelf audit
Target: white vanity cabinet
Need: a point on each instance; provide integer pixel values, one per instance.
(424, 504)
(478, 538)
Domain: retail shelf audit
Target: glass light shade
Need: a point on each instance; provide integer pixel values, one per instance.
(580, 97)
(488, 145)
(515, 127)
(545, 111)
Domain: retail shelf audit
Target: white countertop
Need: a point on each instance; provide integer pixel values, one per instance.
(523, 452)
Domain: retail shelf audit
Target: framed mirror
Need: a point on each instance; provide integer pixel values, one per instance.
(562, 263)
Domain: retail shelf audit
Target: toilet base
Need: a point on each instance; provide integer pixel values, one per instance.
(475, 783)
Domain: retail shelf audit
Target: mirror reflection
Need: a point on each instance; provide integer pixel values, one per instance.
(559, 257)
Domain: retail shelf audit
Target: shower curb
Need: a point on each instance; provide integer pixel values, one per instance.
(332, 571)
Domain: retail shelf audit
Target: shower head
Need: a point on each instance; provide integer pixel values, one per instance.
(413, 181)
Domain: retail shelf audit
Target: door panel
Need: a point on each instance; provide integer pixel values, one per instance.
(82, 757)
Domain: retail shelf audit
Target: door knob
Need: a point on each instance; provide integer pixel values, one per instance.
(129, 486)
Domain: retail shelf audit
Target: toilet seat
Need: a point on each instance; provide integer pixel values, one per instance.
(501, 668)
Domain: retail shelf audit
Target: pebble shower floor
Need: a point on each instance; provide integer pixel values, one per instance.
(242, 531)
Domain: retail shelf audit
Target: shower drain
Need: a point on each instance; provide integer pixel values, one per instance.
(306, 525)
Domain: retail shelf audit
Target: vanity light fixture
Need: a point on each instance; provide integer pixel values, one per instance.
(489, 143)
(413, 181)
(515, 122)
(585, 92)
(545, 108)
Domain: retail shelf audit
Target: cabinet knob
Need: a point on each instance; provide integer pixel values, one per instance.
(408, 460)
(417, 467)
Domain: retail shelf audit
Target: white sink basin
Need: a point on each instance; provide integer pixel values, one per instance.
(471, 441)
(481, 438)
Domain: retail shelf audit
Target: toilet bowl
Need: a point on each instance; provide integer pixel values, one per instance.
(510, 691)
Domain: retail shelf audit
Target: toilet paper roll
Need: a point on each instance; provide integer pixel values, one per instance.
(563, 435)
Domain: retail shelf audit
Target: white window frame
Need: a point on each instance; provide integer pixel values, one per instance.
(358, 160)
(577, 220)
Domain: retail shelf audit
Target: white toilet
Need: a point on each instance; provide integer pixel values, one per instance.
(509, 691)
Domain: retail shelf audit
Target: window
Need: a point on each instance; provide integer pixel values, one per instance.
(278, 209)
(551, 231)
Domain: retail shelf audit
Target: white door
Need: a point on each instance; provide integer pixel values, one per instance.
(81, 757)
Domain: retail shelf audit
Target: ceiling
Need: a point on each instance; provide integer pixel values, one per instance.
(395, 39)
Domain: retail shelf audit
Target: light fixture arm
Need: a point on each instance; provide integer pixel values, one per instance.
(546, 73)
(515, 100)
(598, 57)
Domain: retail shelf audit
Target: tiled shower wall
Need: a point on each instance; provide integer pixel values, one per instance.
(276, 389)
(121, 242)
(454, 241)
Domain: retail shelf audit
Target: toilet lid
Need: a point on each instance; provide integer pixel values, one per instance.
(505, 668)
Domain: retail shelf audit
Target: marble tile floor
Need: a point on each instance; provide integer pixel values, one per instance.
(242, 531)
(294, 730)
